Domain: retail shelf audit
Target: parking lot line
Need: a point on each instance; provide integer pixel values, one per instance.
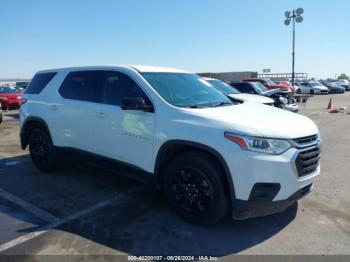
(28, 206)
(313, 113)
(118, 199)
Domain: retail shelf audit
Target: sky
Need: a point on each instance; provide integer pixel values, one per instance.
(195, 35)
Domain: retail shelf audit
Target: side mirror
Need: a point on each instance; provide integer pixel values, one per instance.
(135, 103)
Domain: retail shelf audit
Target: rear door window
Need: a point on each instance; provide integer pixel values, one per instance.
(80, 86)
(114, 86)
(38, 83)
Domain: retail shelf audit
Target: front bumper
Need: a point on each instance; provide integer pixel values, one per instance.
(244, 209)
(253, 168)
(321, 92)
(6, 104)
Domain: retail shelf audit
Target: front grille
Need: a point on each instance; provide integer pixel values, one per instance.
(305, 140)
(307, 161)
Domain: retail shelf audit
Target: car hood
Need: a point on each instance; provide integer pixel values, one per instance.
(276, 91)
(255, 120)
(252, 98)
(283, 85)
(320, 87)
(341, 84)
(10, 95)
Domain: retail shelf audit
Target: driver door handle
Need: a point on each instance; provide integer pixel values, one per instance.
(53, 106)
(101, 115)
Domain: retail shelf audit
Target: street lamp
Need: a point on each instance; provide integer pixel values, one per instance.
(295, 16)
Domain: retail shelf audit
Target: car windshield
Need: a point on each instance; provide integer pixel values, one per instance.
(7, 90)
(259, 87)
(223, 87)
(271, 83)
(186, 90)
(315, 83)
(329, 84)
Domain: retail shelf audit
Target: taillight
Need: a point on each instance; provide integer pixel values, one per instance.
(22, 101)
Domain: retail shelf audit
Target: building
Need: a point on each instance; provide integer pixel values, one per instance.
(230, 76)
(284, 76)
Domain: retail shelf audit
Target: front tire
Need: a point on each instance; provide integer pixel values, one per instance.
(194, 186)
(312, 92)
(42, 151)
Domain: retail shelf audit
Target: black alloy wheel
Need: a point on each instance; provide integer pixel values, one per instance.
(195, 186)
(41, 150)
(192, 190)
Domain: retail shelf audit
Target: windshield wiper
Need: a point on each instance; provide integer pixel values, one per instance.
(195, 106)
(222, 104)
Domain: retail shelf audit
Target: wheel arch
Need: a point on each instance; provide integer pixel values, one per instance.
(29, 124)
(172, 148)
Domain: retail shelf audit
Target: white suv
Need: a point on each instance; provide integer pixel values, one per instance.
(210, 156)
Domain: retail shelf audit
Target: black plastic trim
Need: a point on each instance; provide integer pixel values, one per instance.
(113, 165)
(264, 191)
(245, 209)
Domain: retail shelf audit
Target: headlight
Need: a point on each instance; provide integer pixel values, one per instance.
(19, 97)
(260, 144)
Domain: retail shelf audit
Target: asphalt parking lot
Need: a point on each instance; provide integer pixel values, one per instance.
(84, 210)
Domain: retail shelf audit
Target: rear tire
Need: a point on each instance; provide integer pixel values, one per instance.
(42, 151)
(194, 186)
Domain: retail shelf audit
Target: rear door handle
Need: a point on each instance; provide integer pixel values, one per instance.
(53, 107)
(101, 115)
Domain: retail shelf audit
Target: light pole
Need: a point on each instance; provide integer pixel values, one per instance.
(296, 17)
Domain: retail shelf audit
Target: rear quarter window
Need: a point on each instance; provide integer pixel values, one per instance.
(80, 85)
(39, 82)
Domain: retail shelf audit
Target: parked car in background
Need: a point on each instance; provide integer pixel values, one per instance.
(236, 95)
(345, 81)
(333, 88)
(9, 97)
(293, 88)
(21, 84)
(268, 83)
(282, 97)
(313, 88)
(209, 156)
(0, 113)
(342, 84)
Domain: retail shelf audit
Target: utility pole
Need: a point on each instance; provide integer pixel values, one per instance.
(296, 17)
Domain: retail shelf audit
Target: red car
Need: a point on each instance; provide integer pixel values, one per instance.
(9, 97)
(269, 83)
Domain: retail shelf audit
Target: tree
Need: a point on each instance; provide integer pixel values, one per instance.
(343, 76)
